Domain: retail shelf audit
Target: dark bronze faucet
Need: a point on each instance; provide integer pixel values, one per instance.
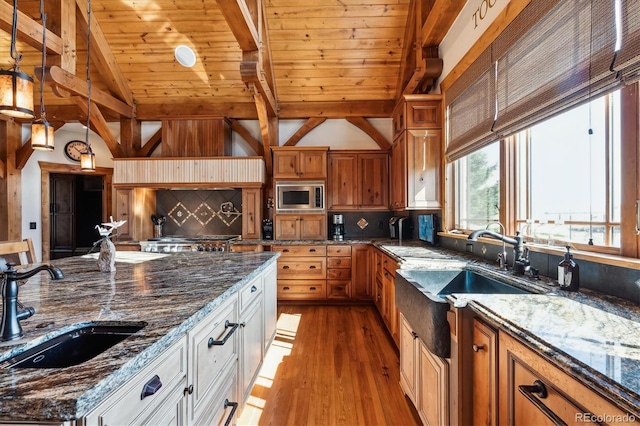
(12, 311)
(520, 261)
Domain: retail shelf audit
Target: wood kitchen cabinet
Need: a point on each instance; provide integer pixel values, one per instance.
(300, 227)
(339, 271)
(522, 371)
(385, 299)
(424, 377)
(416, 153)
(251, 213)
(300, 162)
(358, 180)
(361, 266)
(398, 174)
(302, 271)
(135, 205)
(484, 348)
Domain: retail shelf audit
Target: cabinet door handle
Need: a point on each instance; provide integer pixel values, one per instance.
(188, 390)
(414, 334)
(151, 387)
(477, 348)
(312, 288)
(227, 324)
(312, 267)
(285, 267)
(285, 251)
(254, 289)
(232, 413)
(539, 388)
(312, 250)
(286, 288)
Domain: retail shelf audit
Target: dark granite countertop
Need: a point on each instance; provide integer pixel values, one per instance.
(591, 336)
(170, 292)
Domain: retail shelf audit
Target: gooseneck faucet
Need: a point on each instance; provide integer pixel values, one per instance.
(517, 242)
(12, 311)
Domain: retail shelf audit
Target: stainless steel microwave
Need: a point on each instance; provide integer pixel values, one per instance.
(299, 197)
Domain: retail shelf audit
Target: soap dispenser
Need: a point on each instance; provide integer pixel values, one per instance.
(568, 272)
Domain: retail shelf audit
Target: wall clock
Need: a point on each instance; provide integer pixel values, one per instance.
(73, 149)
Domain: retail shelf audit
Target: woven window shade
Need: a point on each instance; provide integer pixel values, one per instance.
(555, 66)
(549, 59)
(627, 61)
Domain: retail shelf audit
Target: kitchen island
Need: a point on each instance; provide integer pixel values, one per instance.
(171, 293)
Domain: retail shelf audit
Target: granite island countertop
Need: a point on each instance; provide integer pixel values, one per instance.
(589, 335)
(170, 292)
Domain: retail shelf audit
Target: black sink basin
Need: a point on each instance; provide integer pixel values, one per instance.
(74, 347)
(471, 282)
(420, 296)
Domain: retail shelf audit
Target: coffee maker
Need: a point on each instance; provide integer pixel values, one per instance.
(338, 227)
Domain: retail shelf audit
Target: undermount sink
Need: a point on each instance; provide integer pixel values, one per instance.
(74, 347)
(420, 296)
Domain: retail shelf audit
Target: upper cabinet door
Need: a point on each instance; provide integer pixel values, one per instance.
(424, 150)
(343, 181)
(300, 163)
(373, 174)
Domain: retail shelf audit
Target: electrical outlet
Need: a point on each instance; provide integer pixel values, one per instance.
(32, 225)
(469, 248)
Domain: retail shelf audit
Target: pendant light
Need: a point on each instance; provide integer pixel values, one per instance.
(88, 158)
(16, 87)
(41, 130)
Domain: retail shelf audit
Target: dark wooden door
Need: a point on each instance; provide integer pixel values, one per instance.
(75, 210)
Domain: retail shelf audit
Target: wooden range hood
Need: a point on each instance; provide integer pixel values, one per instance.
(189, 172)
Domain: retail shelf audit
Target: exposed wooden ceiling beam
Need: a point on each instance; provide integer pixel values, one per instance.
(253, 73)
(244, 134)
(441, 16)
(238, 16)
(308, 126)
(100, 126)
(340, 109)
(57, 77)
(151, 144)
(103, 58)
(29, 30)
(362, 124)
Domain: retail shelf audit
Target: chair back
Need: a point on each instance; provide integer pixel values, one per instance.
(19, 252)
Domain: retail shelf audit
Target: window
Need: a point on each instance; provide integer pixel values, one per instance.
(478, 188)
(568, 183)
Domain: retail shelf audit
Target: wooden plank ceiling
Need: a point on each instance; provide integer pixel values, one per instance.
(256, 59)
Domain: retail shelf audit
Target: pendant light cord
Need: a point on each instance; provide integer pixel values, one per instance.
(43, 16)
(14, 30)
(88, 75)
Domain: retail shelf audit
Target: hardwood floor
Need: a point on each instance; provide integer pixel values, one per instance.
(329, 365)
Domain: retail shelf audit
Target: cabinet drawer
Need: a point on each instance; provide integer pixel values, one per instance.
(301, 250)
(338, 274)
(339, 262)
(339, 250)
(301, 289)
(221, 407)
(302, 267)
(338, 289)
(250, 292)
(210, 358)
(127, 405)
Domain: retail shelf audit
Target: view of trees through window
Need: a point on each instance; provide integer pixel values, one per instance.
(478, 194)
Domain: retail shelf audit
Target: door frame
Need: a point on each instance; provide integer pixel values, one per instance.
(45, 170)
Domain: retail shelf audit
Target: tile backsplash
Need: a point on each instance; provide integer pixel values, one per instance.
(191, 213)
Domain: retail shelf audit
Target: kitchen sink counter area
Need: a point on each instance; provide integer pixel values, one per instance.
(171, 293)
(591, 336)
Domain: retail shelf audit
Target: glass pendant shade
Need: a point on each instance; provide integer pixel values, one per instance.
(42, 135)
(16, 93)
(88, 161)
